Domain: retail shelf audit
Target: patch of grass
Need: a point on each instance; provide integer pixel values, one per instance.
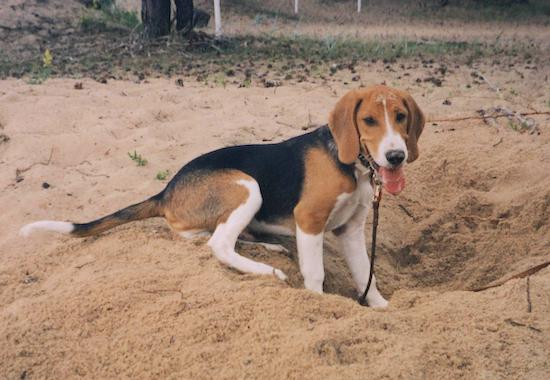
(297, 57)
(220, 80)
(162, 175)
(42, 71)
(260, 11)
(518, 127)
(334, 48)
(246, 83)
(104, 15)
(140, 161)
(92, 24)
(487, 11)
(124, 18)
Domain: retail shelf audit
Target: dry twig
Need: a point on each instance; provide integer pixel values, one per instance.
(523, 274)
(18, 172)
(490, 115)
(491, 85)
(160, 291)
(481, 118)
(519, 324)
(406, 211)
(529, 305)
(498, 142)
(91, 175)
(83, 265)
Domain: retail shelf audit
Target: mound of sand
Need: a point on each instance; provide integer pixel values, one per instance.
(140, 302)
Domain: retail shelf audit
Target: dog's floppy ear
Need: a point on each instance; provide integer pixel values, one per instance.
(343, 125)
(415, 125)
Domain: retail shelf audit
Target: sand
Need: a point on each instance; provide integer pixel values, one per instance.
(141, 302)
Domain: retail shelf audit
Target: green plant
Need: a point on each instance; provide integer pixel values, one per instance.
(260, 19)
(99, 4)
(41, 72)
(220, 80)
(105, 15)
(246, 83)
(92, 24)
(517, 127)
(125, 18)
(140, 161)
(162, 175)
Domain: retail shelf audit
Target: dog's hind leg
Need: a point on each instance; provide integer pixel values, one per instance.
(222, 201)
(227, 232)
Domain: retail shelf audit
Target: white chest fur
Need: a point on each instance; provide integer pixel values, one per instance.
(347, 203)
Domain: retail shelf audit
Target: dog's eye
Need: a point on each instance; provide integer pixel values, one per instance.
(370, 121)
(400, 117)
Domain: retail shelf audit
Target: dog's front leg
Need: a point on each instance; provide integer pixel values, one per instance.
(310, 255)
(351, 237)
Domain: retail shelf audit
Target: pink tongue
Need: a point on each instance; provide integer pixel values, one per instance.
(393, 180)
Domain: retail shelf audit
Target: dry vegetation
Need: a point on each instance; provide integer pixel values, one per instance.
(89, 128)
(265, 41)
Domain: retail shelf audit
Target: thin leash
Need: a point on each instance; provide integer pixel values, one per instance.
(376, 182)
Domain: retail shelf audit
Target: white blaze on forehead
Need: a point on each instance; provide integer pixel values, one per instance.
(387, 117)
(392, 140)
(389, 127)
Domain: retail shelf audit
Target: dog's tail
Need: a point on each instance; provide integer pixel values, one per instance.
(147, 209)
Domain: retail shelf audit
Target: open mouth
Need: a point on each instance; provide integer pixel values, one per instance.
(393, 180)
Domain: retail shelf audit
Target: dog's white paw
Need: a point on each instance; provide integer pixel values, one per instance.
(377, 301)
(280, 274)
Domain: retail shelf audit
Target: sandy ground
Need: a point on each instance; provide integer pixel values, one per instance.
(140, 302)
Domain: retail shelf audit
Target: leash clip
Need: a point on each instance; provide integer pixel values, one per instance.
(377, 195)
(376, 183)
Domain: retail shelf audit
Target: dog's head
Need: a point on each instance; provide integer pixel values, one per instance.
(386, 122)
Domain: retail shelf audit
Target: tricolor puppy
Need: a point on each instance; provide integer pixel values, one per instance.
(304, 186)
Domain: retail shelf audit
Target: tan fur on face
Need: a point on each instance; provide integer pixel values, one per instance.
(205, 199)
(348, 126)
(415, 125)
(319, 195)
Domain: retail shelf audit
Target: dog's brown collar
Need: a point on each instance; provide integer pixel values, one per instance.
(368, 162)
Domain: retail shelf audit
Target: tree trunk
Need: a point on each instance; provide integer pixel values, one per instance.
(155, 15)
(184, 15)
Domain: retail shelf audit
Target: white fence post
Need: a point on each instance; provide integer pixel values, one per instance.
(217, 18)
(358, 6)
(296, 6)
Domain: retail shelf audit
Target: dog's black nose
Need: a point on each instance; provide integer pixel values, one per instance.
(395, 157)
